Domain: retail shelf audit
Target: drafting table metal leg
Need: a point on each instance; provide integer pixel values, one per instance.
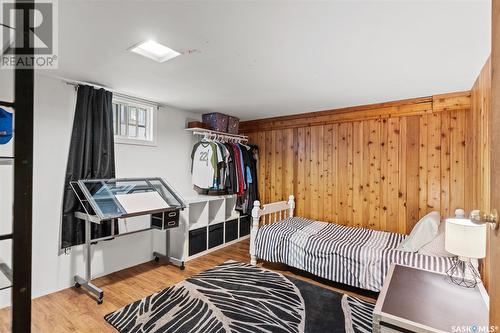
(166, 257)
(85, 282)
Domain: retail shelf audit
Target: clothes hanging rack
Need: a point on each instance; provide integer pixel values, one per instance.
(218, 136)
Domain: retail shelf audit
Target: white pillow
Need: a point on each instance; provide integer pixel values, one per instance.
(423, 232)
(436, 246)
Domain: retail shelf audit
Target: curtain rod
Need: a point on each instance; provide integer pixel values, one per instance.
(115, 93)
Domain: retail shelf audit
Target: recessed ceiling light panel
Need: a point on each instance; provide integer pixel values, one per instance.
(154, 50)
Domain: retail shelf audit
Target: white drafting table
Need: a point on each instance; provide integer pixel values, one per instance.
(107, 200)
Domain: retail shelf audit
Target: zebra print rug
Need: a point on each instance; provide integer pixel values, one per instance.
(237, 297)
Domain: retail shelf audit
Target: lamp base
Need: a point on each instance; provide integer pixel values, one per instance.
(463, 273)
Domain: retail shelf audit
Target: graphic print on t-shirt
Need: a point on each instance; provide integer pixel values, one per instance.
(204, 157)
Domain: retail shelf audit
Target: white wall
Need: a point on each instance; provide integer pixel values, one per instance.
(6, 184)
(170, 159)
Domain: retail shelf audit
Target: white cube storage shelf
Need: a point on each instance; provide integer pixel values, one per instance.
(208, 223)
(216, 211)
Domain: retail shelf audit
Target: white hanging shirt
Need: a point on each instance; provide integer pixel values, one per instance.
(203, 170)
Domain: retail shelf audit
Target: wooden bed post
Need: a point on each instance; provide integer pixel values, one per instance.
(291, 205)
(253, 232)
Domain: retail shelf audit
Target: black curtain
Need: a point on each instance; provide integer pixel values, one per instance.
(91, 156)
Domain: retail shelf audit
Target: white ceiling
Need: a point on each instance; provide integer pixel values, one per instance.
(257, 59)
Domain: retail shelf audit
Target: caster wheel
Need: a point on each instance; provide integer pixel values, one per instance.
(157, 259)
(77, 285)
(182, 267)
(99, 301)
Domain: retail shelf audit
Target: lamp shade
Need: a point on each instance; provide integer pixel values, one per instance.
(465, 238)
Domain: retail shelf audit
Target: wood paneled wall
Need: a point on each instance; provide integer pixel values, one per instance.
(378, 166)
(481, 116)
(493, 99)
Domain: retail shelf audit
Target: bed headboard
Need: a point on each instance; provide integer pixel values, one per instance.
(270, 213)
(273, 212)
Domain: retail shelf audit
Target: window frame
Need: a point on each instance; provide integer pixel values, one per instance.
(150, 121)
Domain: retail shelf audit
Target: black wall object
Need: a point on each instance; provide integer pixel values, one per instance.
(23, 197)
(23, 183)
(91, 156)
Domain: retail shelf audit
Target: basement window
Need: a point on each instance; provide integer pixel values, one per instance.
(133, 122)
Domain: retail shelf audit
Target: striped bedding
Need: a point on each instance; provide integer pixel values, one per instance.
(355, 256)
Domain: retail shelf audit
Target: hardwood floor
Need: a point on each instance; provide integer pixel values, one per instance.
(73, 310)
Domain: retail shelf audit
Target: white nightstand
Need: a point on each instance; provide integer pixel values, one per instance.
(415, 300)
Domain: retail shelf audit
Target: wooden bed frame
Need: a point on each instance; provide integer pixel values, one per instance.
(270, 213)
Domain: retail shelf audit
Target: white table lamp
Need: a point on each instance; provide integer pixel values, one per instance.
(467, 240)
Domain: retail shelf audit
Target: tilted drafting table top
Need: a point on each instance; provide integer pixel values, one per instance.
(107, 199)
